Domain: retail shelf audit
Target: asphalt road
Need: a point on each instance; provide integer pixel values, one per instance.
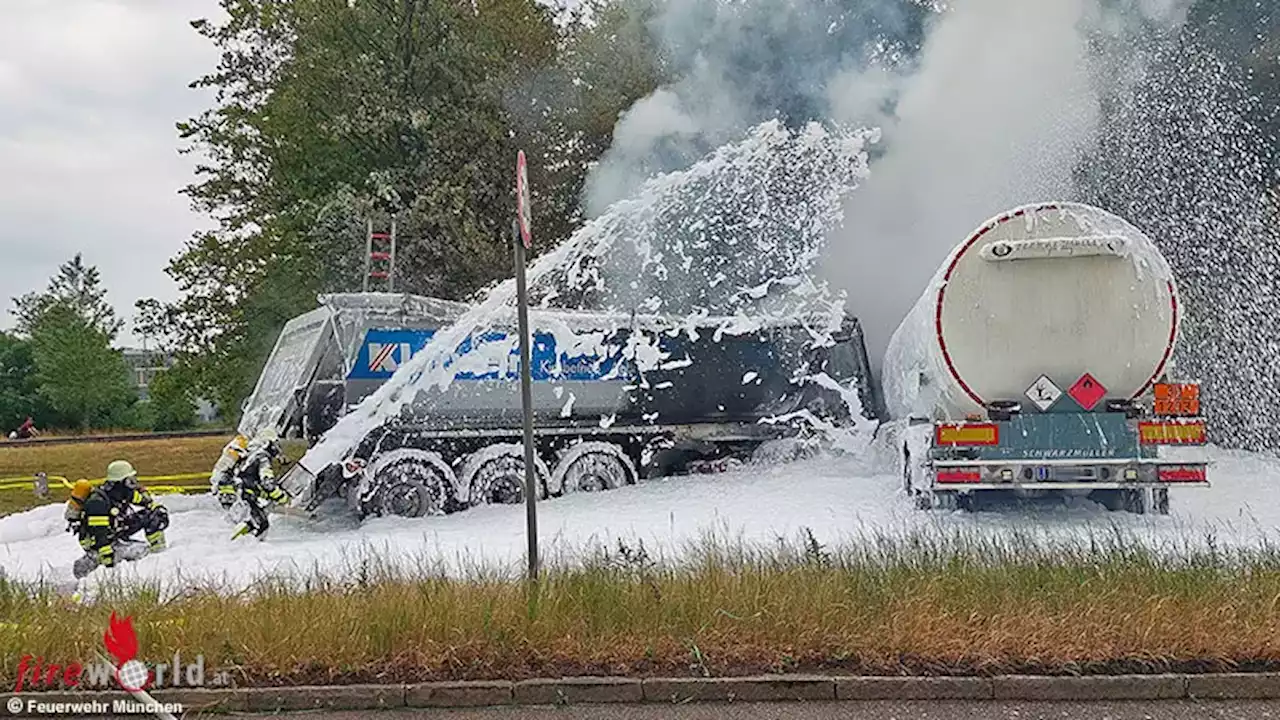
(1170, 710)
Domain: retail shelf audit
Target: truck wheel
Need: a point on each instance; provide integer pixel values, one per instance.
(906, 470)
(1160, 497)
(948, 501)
(591, 466)
(1112, 500)
(410, 483)
(1135, 501)
(495, 475)
(782, 451)
(924, 501)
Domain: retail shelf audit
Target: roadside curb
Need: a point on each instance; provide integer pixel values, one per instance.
(766, 688)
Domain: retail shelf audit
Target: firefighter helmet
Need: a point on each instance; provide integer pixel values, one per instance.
(120, 470)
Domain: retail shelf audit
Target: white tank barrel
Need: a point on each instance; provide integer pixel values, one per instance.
(1054, 289)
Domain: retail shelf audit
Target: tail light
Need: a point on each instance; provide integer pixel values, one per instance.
(1172, 433)
(967, 434)
(1177, 399)
(959, 476)
(1181, 474)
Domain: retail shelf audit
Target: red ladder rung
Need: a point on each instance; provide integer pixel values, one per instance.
(378, 274)
(379, 255)
(381, 236)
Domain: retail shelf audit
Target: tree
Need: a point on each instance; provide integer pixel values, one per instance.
(171, 405)
(76, 286)
(329, 112)
(19, 388)
(78, 373)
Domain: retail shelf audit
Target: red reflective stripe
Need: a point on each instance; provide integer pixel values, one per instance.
(1182, 474)
(959, 476)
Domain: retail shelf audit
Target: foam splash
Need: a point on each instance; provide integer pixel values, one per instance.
(733, 241)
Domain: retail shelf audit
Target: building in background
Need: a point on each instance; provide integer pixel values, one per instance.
(144, 365)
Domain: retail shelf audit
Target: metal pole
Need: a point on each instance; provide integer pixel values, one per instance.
(526, 397)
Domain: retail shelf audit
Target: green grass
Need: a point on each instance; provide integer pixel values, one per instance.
(925, 604)
(161, 456)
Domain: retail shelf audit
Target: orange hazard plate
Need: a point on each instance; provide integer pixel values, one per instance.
(1177, 399)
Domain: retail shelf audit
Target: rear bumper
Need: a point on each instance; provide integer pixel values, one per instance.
(1063, 486)
(1048, 475)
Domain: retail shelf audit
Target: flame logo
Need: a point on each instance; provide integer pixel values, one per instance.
(121, 640)
(122, 643)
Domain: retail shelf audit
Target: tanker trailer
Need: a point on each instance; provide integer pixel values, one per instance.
(1036, 364)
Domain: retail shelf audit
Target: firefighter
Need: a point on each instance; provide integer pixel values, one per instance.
(222, 481)
(112, 514)
(255, 479)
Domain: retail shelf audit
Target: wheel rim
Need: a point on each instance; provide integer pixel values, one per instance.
(414, 491)
(502, 481)
(595, 472)
(403, 500)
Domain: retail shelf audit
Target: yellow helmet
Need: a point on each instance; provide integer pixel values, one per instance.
(81, 489)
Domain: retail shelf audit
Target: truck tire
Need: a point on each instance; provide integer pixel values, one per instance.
(782, 451)
(944, 500)
(1112, 500)
(1136, 501)
(495, 475)
(1160, 501)
(591, 466)
(411, 483)
(906, 471)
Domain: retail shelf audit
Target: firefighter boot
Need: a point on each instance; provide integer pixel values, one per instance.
(257, 523)
(84, 565)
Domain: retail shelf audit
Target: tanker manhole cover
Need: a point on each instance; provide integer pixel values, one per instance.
(1043, 393)
(1087, 391)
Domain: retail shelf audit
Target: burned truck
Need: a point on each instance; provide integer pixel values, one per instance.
(605, 413)
(329, 359)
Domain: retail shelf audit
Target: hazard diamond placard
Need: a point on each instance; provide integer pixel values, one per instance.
(1043, 393)
(1087, 391)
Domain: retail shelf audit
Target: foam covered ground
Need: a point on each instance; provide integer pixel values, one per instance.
(837, 499)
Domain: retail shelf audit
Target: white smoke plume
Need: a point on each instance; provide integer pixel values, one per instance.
(1004, 105)
(737, 63)
(983, 104)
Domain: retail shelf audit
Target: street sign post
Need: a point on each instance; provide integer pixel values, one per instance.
(523, 212)
(522, 240)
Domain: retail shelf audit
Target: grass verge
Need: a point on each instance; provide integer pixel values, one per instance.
(925, 604)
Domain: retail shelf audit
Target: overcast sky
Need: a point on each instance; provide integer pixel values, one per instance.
(89, 94)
